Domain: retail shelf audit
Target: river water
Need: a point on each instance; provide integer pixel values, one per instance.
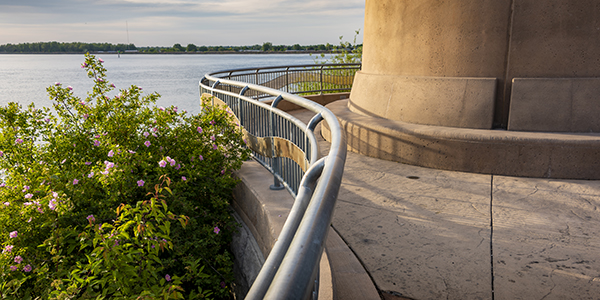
(24, 78)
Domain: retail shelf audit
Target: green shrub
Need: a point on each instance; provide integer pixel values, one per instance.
(110, 159)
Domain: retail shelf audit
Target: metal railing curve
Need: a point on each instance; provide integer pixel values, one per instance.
(288, 149)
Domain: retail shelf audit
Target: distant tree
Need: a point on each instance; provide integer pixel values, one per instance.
(191, 48)
(202, 48)
(296, 47)
(268, 46)
(178, 47)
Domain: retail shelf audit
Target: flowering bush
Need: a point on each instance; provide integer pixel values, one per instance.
(83, 208)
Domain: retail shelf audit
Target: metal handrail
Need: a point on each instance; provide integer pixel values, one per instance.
(296, 79)
(290, 269)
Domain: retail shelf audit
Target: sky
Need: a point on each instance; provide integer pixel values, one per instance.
(166, 22)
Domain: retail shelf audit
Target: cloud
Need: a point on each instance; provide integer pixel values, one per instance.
(160, 22)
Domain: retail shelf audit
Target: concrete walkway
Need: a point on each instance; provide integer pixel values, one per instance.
(431, 234)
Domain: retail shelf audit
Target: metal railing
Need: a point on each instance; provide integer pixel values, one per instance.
(296, 79)
(287, 148)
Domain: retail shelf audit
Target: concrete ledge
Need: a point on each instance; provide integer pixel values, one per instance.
(555, 105)
(264, 211)
(525, 154)
(322, 99)
(441, 101)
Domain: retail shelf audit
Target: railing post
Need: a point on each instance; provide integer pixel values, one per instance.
(212, 93)
(287, 79)
(321, 93)
(276, 160)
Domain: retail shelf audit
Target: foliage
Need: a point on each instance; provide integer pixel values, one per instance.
(83, 208)
(346, 52)
(56, 47)
(332, 80)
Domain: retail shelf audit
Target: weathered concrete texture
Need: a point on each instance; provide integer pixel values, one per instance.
(501, 39)
(546, 237)
(248, 258)
(514, 153)
(555, 105)
(441, 101)
(423, 238)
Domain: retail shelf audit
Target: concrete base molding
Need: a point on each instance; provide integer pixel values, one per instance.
(441, 101)
(501, 152)
(555, 105)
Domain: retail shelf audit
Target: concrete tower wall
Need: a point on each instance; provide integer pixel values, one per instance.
(455, 63)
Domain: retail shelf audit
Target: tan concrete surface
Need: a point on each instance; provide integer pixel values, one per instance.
(555, 105)
(546, 238)
(441, 101)
(423, 233)
(430, 234)
(514, 153)
(501, 39)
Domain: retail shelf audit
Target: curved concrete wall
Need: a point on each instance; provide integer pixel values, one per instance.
(487, 39)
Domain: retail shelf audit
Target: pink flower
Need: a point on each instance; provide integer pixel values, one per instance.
(183, 178)
(13, 234)
(96, 143)
(162, 163)
(40, 210)
(215, 147)
(131, 151)
(216, 230)
(52, 204)
(7, 249)
(212, 138)
(87, 163)
(200, 157)
(111, 153)
(91, 174)
(155, 129)
(57, 83)
(70, 88)
(91, 218)
(18, 259)
(212, 122)
(6, 203)
(27, 268)
(167, 277)
(109, 164)
(222, 172)
(199, 129)
(112, 85)
(75, 181)
(178, 167)
(18, 141)
(25, 188)
(1, 153)
(146, 133)
(140, 182)
(100, 60)
(161, 108)
(147, 143)
(28, 196)
(13, 268)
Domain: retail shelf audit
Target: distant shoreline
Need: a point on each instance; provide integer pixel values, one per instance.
(179, 53)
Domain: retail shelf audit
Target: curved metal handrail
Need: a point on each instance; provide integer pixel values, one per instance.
(291, 267)
(296, 79)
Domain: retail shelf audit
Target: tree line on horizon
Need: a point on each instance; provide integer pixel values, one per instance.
(77, 47)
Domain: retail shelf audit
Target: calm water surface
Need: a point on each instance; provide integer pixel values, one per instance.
(24, 78)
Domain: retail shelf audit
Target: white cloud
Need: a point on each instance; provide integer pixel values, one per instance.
(165, 22)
